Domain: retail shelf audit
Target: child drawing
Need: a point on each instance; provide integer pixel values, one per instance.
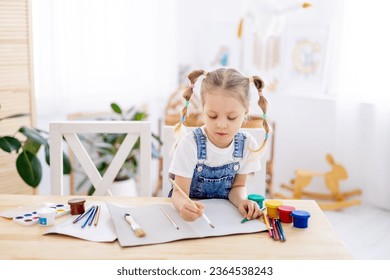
(214, 160)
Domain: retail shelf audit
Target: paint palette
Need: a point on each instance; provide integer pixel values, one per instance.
(31, 218)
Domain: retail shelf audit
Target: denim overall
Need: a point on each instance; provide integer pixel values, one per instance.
(214, 182)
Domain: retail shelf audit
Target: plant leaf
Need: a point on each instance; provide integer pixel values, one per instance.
(31, 146)
(33, 134)
(8, 144)
(115, 107)
(91, 190)
(29, 168)
(139, 116)
(14, 116)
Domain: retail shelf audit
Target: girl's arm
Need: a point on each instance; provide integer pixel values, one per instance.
(186, 210)
(238, 196)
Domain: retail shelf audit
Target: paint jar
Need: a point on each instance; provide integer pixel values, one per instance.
(285, 213)
(257, 198)
(46, 216)
(272, 208)
(300, 218)
(76, 206)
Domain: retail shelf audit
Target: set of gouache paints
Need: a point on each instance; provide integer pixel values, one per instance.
(285, 213)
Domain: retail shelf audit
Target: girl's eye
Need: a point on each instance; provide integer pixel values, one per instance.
(212, 117)
(231, 118)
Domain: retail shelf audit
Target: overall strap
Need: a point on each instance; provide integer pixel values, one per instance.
(200, 140)
(239, 144)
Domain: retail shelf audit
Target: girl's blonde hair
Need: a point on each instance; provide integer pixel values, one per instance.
(230, 82)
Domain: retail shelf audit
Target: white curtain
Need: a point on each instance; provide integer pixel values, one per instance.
(363, 106)
(88, 53)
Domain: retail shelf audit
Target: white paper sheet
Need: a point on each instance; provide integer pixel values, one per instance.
(103, 232)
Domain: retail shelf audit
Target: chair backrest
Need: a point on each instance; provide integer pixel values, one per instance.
(69, 130)
(255, 182)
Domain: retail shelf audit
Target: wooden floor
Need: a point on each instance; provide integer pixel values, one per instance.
(365, 231)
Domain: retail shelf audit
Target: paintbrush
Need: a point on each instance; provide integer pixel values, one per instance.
(138, 231)
(189, 200)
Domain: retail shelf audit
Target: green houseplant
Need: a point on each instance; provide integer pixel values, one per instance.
(26, 143)
(103, 147)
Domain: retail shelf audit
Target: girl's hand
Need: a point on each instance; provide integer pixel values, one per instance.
(189, 212)
(249, 209)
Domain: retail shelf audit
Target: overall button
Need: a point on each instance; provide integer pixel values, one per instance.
(200, 168)
(236, 167)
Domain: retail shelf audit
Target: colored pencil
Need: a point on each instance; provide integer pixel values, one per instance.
(97, 215)
(83, 215)
(245, 219)
(176, 186)
(281, 232)
(170, 219)
(266, 221)
(93, 215)
(276, 231)
(89, 217)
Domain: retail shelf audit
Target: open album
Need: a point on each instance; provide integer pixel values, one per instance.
(162, 223)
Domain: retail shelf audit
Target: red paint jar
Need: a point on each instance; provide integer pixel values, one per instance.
(285, 213)
(76, 206)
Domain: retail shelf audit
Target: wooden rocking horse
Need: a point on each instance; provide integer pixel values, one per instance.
(332, 178)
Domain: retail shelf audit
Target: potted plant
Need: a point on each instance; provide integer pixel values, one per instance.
(102, 148)
(26, 143)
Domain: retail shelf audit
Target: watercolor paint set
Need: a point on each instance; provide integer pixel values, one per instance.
(29, 218)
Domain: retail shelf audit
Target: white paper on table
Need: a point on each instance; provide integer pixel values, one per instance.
(103, 232)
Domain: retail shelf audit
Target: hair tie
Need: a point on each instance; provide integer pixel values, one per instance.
(265, 116)
(205, 73)
(182, 119)
(260, 92)
(251, 79)
(266, 136)
(191, 85)
(186, 103)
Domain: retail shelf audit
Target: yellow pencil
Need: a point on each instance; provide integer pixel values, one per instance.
(265, 217)
(176, 186)
(97, 215)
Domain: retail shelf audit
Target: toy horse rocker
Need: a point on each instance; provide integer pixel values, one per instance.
(332, 178)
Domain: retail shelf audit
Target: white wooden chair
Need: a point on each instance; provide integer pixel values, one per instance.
(69, 130)
(255, 183)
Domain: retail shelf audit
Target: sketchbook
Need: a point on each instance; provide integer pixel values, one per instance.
(159, 229)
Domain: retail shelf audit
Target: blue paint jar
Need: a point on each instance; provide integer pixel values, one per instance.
(300, 218)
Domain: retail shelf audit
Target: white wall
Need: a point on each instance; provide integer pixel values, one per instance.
(307, 126)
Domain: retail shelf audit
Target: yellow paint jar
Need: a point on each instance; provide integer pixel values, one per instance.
(272, 208)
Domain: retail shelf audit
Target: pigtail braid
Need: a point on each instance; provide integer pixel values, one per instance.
(193, 77)
(263, 104)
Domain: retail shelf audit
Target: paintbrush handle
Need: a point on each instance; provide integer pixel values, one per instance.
(176, 186)
(139, 232)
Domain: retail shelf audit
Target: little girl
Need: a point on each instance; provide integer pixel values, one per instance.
(214, 160)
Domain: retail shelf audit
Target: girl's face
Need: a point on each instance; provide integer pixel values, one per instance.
(223, 117)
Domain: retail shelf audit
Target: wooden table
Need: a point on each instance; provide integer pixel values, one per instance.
(318, 241)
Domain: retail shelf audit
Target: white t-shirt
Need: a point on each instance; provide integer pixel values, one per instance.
(185, 156)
